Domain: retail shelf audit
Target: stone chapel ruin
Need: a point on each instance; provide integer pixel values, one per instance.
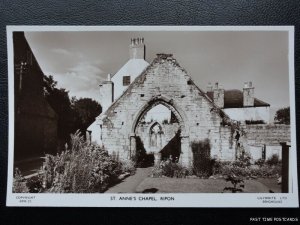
(216, 117)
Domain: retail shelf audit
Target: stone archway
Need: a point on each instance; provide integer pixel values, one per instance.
(184, 158)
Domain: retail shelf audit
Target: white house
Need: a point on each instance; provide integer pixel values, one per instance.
(116, 85)
(240, 105)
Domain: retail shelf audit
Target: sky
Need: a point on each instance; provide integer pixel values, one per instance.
(79, 61)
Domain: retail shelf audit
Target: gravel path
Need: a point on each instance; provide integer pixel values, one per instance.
(130, 184)
(29, 166)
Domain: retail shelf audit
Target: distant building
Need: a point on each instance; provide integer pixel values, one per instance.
(240, 105)
(35, 120)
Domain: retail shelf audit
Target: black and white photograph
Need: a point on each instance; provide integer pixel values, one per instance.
(161, 116)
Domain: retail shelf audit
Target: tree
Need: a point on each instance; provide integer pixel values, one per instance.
(282, 116)
(86, 110)
(73, 114)
(59, 100)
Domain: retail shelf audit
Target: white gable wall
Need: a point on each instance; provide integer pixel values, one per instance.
(249, 113)
(133, 68)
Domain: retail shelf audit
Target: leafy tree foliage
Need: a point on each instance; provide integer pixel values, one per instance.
(86, 110)
(59, 100)
(282, 116)
(73, 114)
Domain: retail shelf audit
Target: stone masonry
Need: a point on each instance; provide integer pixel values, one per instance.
(165, 82)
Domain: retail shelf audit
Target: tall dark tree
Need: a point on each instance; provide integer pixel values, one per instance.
(73, 114)
(59, 100)
(86, 110)
(282, 116)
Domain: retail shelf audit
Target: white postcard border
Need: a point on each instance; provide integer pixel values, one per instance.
(154, 200)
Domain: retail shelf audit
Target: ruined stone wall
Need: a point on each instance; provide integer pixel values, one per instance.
(169, 131)
(164, 81)
(264, 140)
(267, 134)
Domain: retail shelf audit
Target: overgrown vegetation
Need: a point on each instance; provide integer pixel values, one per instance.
(244, 168)
(240, 169)
(81, 168)
(167, 168)
(202, 162)
(19, 183)
(250, 122)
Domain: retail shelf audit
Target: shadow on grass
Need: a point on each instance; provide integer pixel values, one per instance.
(150, 190)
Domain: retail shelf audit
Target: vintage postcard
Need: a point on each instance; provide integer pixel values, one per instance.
(152, 116)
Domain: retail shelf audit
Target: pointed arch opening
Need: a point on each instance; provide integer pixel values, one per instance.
(158, 127)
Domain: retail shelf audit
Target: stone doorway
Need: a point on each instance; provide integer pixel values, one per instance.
(157, 134)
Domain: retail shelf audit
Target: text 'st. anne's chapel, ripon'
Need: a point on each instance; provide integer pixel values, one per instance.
(214, 118)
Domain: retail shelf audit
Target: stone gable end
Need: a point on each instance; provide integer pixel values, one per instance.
(165, 82)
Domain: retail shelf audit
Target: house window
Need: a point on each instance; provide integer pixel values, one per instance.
(126, 80)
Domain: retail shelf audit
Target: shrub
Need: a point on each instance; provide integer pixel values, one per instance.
(273, 160)
(242, 169)
(170, 169)
(218, 167)
(202, 163)
(19, 183)
(233, 169)
(35, 184)
(82, 168)
(248, 122)
(270, 171)
(128, 166)
(259, 162)
(157, 171)
(244, 159)
(237, 184)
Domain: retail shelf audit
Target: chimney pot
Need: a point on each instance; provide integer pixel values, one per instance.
(248, 94)
(137, 48)
(218, 95)
(216, 85)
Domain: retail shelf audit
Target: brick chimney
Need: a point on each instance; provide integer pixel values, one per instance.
(248, 94)
(137, 48)
(218, 95)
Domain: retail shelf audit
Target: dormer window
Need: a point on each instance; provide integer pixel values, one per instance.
(126, 80)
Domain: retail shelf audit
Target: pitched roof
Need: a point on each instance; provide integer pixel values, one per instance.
(234, 99)
(161, 58)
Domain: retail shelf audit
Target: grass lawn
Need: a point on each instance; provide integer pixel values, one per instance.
(173, 185)
(271, 183)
